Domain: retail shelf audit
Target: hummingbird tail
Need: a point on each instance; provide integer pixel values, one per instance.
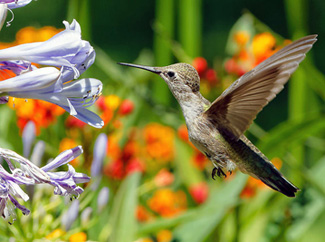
(279, 183)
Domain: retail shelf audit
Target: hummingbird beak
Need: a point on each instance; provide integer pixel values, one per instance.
(147, 68)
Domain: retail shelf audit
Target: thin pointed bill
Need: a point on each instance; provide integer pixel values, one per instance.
(147, 68)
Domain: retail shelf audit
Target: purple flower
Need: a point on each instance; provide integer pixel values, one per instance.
(30, 174)
(100, 148)
(71, 215)
(15, 3)
(3, 100)
(28, 137)
(73, 55)
(64, 49)
(31, 81)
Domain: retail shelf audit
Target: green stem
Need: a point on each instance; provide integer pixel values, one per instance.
(190, 26)
(165, 18)
(79, 10)
(301, 97)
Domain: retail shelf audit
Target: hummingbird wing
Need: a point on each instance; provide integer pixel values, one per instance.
(236, 108)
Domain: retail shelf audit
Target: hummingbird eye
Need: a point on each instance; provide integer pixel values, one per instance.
(171, 74)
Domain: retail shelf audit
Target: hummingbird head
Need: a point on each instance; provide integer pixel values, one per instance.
(181, 78)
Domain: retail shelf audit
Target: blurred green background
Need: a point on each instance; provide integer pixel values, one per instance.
(163, 32)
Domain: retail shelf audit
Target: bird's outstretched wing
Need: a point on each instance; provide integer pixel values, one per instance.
(236, 108)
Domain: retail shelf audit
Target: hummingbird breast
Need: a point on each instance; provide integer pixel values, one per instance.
(210, 142)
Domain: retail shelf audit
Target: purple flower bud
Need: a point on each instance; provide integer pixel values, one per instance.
(28, 137)
(100, 148)
(85, 216)
(38, 152)
(71, 215)
(102, 198)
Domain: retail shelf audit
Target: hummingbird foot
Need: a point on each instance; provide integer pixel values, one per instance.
(217, 171)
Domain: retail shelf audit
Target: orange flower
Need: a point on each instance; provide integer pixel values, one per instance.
(78, 237)
(142, 214)
(31, 34)
(55, 234)
(40, 112)
(263, 46)
(113, 149)
(159, 142)
(241, 38)
(164, 178)
(168, 203)
(112, 102)
(164, 236)
(144, 240)
(182, 132)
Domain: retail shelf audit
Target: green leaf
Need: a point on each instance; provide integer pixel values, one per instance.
(289, 134)
(244, 23)
(188, 173)
(316, 79)
(122, 224)
(210, 214)
(311, 213)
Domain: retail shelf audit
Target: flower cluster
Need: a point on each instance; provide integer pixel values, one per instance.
(113, 107)
(43, 65)
(40, 112)
(24, 172)
(251, 51)
(65, 50)
(205, 73)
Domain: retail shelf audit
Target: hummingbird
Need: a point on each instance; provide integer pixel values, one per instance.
(217, 128)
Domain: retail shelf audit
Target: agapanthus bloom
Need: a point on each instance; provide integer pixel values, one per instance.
(15, 3)
(24, 172)
(66, 50)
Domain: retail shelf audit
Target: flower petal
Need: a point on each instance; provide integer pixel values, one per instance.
(89, 117)
(16, 3)
(63, 158)
(4, 99)
(29, 81)
(3, 13)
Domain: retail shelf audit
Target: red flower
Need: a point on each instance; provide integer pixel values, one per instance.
(200, 64)
(182, 132)
(126, 107)
(134, 165)
(199, 192)
(73, 122)
(211, 76)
